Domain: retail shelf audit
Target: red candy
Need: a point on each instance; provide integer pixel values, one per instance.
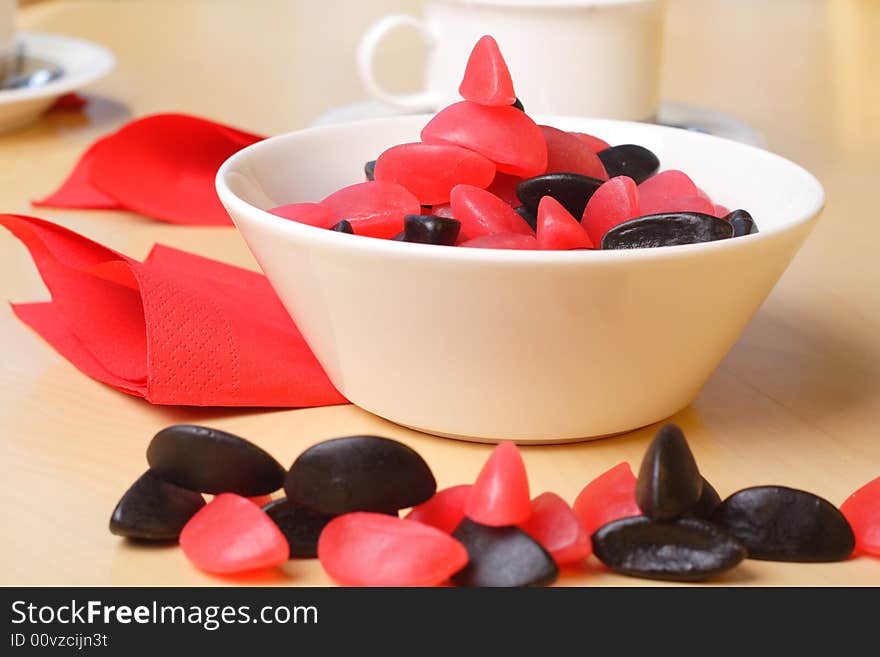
(557, 229)
(504, 187)
(261, 500)
(593, 143)
(555, 526)
(567, 153)
(430, 171)
(505, 135)
(720, 211)
(609, 496)
(613, 203)
(445, 510)
(691, 204)
(659, 193)
(375, 209)
(512, 241)
(862, 510)
(500, 496)
(374, 549)
(231, 534)
(312, 214)
(482, 213)
(442, 210)
(486, 78)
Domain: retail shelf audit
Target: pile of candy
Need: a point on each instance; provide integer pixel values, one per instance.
(343, 498)
(486, 175)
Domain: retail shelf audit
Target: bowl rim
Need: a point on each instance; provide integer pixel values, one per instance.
(390, 248)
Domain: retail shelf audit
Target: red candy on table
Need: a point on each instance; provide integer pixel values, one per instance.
(660, 192)
(231, 534)
(593, 143)
(555, 526)
(312, 214)
(613, 203)
(505, 135)
(445, 510)
(375, 209)
(430, 171)
(557, 229)
(374, 549)
(862, 511)
(482, 213)
(486, 78)
(510, 241)
(500, 496)
(610, 496)
(569, 154)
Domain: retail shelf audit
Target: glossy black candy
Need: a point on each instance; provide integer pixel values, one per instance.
(686, 550)
(669, 483)
(668, 229)
(213, 461)
(631, 160)
(777, 523)
(742, 223)
(359, 473)
(343, 226)
(400, 237)
(301, 526)
(518, 105)
(154, 510)
(572, 190)
(528, 216)
(502, 556)
(706, 505)
(430, 229)
(370, 169)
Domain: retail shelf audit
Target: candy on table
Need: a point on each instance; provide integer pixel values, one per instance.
(213, 461)
(232, 535)
(616, 201)
(513, 241)
(482, 213)
(430, 229)
(445, 510)
(370, 549)
(630, 160)
(567, 153)
(430, 171)
(486, 78)
(374, 209)
(500, 495)
(555, 526)
(669, 482)
(311, 214)
(669, 229)
(862, 511)
(706, 505)
(593, 143)
(608, 497)
(572, 190)
(557, 229)
(154, 510)
(301, 526)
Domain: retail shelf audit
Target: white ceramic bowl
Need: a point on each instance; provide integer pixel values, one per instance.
(526, 345)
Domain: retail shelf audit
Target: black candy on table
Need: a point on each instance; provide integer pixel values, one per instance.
(502, 556)
(706, 505)
(777, 523)
(572, 190)
(359, 473)
(669, 483)
(667, 229)
(528, 216)
(213, 461)
(684, 550)
(370, 170)
(632, 160)
(301, 526)
(343, 226)
(430, 229)
(742, 223)
(153, 509)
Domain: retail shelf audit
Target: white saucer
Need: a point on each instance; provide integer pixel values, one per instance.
(82, 62)
(678, 115)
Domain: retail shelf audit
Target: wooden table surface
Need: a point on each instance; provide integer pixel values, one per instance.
(796, 402)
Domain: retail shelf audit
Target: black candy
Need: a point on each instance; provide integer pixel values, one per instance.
(359, 473)
(669, 229)
(301, 526)
(777, 523)
(631, 160)
(706, 505)
(518, 105)
(669, 483)
(572, 190)
(742, 223)
(370, 170)
(686, 550)
(154, 510)
(213, 461)
(528, 216)
(343, 226)
(502, 556)
(430, 229)
(400, 237)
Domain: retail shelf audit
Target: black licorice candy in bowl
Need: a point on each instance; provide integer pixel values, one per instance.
(572, 190)
(685, 550)
(667, 229)
(528, 216)
(430, 229)
(777, 523)
(631, 160)
(343, 226)
(153, 509)
(213, 461)
(742, 223)
(359, 473)
(370, 170)
(518, 105)
(301, 526)
(669, 483)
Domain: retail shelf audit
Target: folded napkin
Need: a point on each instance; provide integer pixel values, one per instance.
(175, 329)
(162, 166)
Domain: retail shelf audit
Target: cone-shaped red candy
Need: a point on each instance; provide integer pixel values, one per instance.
(482, 213)
(557, 229)
(660, 193)
(862, 510)
(500, 496)
(375, 209)
(445, 510)
(613, 203)
(609, 496)
(486, 78)
(555, 526)
(594, 143)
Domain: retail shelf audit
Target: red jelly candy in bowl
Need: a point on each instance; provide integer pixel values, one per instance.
(610, 496)
(486, 77)
(659, 193)
(555, 526)
(510, 241)
(500, 496)
(312, 214)
(504, 187)
(482, 213)
(445, 510)
(430, 171)
(231, 534)
(374, 209)
(505, 135)
(569, 154)
(616, 201)
(862, 511)
(374, 549)
(593, 143)
(557, 229)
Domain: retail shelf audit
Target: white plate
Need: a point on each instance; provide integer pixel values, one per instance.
(82, 62)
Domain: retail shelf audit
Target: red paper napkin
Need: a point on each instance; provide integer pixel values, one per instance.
(175, 329)
(162, 166)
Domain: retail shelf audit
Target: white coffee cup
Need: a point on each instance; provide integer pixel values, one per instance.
(575, 57)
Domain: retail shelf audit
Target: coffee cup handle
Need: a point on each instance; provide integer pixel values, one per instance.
(423, 100)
